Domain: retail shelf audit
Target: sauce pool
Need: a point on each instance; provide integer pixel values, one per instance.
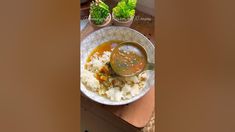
(128, 60)
(106, 46)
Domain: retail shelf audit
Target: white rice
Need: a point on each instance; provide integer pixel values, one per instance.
(98, 61)
(132, 85)
(89, 80)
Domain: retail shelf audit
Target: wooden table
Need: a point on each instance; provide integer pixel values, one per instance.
(138, 113)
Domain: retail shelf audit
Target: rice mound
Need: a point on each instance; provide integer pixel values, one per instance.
(97, 76)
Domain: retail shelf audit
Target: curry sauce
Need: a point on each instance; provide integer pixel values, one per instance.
(106, 46)
(128, 60)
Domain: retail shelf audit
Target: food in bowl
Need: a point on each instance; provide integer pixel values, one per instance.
(128, 59)
(99, 77)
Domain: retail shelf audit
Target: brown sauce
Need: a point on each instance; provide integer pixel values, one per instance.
(128, 60)
(106, 46)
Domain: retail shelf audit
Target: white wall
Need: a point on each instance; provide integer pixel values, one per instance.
(146, 6)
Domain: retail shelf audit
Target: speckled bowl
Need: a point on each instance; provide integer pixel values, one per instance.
(115, 33)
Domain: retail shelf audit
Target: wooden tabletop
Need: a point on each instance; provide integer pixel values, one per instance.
(139, 112)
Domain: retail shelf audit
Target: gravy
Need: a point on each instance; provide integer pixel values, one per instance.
(128, 60)
(106, 46)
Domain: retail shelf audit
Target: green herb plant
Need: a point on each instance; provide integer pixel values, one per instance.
(124, 10)
(99, 11)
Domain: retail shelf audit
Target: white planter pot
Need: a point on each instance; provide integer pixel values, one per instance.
(117, 22)
(107, 22)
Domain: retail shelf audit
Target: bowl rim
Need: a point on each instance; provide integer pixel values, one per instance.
(117, 103)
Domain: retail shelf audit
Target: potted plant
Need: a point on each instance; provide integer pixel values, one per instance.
(99, 14)
(123, 14)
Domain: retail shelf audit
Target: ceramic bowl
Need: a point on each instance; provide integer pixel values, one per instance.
(115, 33)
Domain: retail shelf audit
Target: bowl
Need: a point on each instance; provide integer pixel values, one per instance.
(115, 33)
